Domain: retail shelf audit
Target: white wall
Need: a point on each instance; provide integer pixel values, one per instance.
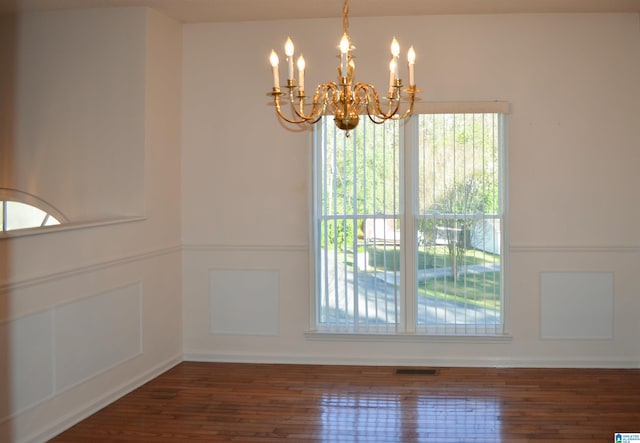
(573, 154)
(77, 126)
(88, 314)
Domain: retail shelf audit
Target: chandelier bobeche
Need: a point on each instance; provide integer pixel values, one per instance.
(345, 99)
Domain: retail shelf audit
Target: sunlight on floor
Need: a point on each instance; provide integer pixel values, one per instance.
(356, 417)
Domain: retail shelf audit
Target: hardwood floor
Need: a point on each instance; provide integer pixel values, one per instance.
(268, 403)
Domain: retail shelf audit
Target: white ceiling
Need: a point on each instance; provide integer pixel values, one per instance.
(241, 10)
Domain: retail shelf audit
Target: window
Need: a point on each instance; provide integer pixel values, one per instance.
(19, 210)
(408, 225)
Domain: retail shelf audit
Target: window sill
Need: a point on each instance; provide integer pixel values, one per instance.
(405, 337)
(69, 227)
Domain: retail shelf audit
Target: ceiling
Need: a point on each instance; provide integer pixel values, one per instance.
(191, 11)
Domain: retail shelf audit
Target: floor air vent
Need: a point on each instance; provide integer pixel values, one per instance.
(416, 371)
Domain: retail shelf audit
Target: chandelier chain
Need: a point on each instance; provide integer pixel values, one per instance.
(345, 17)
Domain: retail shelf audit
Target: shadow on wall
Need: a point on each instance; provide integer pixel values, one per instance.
(8, 83)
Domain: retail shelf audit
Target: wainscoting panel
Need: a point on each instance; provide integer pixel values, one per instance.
(96, 333)
(576, 305)
(244, 302)
(25, 373)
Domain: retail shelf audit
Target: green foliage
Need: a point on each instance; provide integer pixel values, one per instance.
(360, 175)
(337, 233)
(471, 196)
(457, 174)
(452, 150)
(476, 194)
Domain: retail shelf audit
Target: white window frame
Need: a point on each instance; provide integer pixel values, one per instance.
(408, 162)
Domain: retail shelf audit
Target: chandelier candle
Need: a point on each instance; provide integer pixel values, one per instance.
(345, 99)
(288, 50)
(395, 53)
(274, 63)
(411, 55)
(344, 52)
(392, 76)
(301, 65)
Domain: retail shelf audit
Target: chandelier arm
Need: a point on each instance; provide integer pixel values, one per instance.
(320, 97)
(373, 105)
(283, 116)
(362, 93)
(319, 115)
(408, 111)
(363, 99)
(373, 119)
(300, 112)
(320, 100)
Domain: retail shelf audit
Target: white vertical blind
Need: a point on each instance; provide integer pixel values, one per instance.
(451, 236)
(459, 224)
(357, 229)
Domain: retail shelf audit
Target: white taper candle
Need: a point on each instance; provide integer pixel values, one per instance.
(288, 50)
(273, 58)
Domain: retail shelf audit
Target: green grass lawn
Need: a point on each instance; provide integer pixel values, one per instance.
(387, 258)
(441, 257)
(482, 289)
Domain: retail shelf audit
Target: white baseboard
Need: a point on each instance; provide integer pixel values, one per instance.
(109, 397)
(203, 356)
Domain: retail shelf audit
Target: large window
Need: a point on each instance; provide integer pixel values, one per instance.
(408, 226)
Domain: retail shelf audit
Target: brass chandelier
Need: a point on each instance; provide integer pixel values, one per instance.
(345, 99)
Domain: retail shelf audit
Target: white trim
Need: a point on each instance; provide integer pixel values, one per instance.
(505, 222)
(82, 412)
(422, 338)
(408, 213)
(408, 208)
(213, 247)
(480, 107)
(312, 183)
(524, 248)
(205, 356)
(62, 227)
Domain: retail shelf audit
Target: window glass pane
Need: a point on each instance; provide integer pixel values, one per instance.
(22, 215)
(445, 277)
(51, 221)
(458, 265)
(357, 227)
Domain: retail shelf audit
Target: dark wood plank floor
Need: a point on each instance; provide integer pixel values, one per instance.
(267, 403)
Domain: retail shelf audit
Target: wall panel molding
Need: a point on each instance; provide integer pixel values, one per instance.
(524, 248)
(27, 376)
(207, 247)
(45, 345)
(244, 302)
(577, 305)
(110, 323)
(93, 267)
